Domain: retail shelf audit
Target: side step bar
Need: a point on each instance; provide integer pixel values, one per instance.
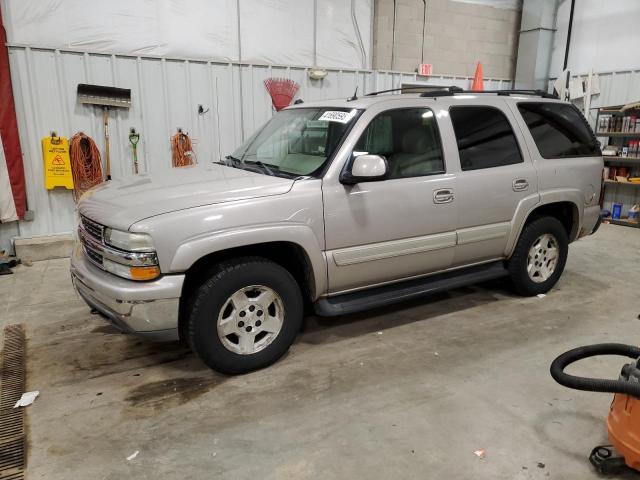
(398, 292)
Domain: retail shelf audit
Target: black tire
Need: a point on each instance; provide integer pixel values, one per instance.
(210, 297)
(517, 264)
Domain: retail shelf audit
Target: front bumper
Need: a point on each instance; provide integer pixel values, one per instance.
(148, 309)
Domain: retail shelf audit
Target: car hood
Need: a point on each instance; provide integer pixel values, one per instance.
(121, 203)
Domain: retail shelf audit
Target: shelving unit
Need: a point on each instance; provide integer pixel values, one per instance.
(609, 123)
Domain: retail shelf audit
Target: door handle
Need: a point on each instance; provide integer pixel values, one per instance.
(444, 195)
(520, 184)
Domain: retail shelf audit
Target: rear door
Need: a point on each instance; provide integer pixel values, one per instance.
(496, 178)
(566, 155)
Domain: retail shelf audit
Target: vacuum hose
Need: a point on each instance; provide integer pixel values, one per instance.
(595, 384)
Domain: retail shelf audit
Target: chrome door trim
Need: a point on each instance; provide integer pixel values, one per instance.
(393, 248)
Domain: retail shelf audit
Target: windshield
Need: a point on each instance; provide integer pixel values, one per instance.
(297, 141)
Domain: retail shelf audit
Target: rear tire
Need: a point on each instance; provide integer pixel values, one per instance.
(245, 316)
(539, 257)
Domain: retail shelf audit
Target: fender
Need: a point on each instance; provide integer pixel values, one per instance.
(302, 235)
(525, 208)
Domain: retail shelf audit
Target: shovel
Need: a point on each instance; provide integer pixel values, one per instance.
(106, 97)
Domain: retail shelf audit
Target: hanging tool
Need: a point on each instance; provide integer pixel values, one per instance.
(85, 164)
(623, 423)
(134, 137)
(105, 97)
(181, 150)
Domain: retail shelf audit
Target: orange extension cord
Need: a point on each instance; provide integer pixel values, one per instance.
(85, 164)
(181, 152)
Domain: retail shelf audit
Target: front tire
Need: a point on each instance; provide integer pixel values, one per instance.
(245, 316)
(539, 257)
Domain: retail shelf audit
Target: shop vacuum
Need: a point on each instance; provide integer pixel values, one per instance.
(623, 423)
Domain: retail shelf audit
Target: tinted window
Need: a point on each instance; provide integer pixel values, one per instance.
(409, 140)
(559, 130)
(485, 138)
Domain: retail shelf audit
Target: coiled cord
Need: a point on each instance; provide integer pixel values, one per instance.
(181, 150)
(86, 166)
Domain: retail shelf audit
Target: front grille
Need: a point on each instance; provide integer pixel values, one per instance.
(94, 256)
(90, 235)
(92, 228)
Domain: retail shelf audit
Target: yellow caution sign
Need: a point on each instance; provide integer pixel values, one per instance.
(57, 164)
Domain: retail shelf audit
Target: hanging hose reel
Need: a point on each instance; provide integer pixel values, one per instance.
(623, 423)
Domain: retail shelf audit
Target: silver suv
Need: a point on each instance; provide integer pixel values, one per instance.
(340, 206)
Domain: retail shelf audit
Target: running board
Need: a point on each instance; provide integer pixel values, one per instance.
(398, 292)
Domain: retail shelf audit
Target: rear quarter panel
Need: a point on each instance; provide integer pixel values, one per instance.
(575, 179)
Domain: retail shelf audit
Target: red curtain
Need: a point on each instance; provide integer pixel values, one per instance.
(9, 129)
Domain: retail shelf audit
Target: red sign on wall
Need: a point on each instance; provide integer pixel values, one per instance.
(425, 69)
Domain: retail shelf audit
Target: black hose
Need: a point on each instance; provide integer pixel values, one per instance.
(595, 384)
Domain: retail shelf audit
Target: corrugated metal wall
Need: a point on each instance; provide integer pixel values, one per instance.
(165, 95)
(616, 88)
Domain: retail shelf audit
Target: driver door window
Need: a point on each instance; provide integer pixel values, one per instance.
(409, 140)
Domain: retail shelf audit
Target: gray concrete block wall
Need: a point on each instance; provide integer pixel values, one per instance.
(457, 35)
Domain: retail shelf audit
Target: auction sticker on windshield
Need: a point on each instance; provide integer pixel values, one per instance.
(336, 116)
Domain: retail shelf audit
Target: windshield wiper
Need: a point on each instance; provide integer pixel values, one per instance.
(231, 161)
(264, 166)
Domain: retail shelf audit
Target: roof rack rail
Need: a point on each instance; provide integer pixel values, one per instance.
(456, 90)
(408, 87)
(453, 90)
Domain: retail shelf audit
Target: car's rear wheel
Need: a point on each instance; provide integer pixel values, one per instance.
(539, 257)
(245, 316)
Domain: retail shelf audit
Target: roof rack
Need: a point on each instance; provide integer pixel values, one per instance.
(457, 90)
(453, 90)
(408, 87)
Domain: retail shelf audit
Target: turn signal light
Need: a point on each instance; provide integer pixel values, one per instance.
(144, 273)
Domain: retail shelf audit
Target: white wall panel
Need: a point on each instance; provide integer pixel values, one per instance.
(165, 95)
(605, 36)
(292, 32)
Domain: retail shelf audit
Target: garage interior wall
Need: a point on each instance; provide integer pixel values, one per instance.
(328, 33)
(165, 95)
(604, 37)
(452, 35)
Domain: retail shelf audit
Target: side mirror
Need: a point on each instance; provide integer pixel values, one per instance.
(365, 168)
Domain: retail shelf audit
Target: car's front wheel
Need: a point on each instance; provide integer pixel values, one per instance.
(539, 257)
(245, 316)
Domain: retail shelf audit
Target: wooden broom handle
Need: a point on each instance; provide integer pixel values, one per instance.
(105, 119)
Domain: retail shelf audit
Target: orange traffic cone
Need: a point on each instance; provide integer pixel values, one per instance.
(478, 85)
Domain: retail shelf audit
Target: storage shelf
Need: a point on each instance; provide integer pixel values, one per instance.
(619, 134)
(622, 221)
(629, 160)
(622, 183)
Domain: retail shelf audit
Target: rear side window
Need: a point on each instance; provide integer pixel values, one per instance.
(559, 130)
(485, 138)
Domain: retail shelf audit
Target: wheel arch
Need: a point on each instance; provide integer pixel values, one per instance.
(565, 211)
(290, 255)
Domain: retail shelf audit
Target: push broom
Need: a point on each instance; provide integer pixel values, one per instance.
(105, 97)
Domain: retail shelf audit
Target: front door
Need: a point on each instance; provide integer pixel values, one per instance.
(496, 179)
(400, 227)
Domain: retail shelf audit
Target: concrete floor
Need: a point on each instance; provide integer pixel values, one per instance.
(403, 392)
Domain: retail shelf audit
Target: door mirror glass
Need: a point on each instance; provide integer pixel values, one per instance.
(365, 168)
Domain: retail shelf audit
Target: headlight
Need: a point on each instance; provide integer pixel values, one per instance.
(128, 241)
